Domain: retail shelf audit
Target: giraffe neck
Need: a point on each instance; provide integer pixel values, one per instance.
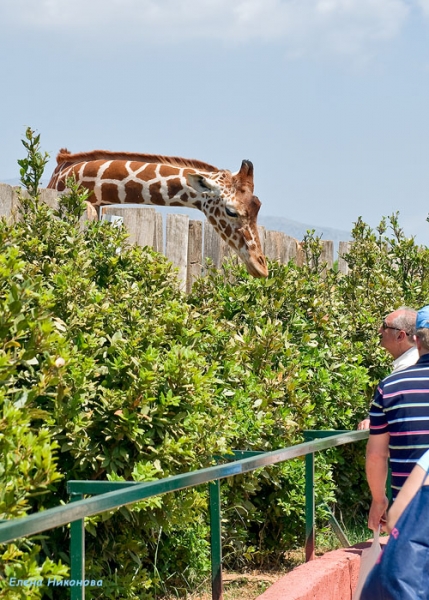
(132, 182)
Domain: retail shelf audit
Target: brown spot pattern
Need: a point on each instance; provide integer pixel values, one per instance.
(116, 170)
(174, 186)
(133, 191)
(167, 171)
(246, 233)
(155, 194)
(91, 168)
(147, 174)
(109, 193)
(89, 185)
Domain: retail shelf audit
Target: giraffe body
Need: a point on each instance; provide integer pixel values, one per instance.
(225, 198)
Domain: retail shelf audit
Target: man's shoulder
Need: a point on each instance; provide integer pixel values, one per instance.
(420, 370)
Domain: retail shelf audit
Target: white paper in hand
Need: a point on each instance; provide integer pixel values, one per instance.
(368, 559)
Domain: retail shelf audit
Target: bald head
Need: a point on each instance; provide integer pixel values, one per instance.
(398, 330)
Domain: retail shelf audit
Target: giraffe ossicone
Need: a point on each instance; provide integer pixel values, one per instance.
(225, 198)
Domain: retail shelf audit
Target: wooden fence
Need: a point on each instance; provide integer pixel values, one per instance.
(187, 243)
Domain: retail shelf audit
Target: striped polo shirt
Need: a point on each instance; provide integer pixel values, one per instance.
(401, 408)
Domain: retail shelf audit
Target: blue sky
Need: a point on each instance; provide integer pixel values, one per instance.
(328, 98)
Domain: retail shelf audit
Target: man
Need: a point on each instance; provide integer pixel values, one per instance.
(397, 336)
(399, 424)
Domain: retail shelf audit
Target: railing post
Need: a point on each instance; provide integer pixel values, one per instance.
(77, 554)
(309, 507)
(216, 540)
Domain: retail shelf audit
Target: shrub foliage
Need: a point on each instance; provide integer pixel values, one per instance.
(108, 371)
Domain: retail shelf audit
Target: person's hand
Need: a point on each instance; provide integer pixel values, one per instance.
(363, 425)
(377, 514)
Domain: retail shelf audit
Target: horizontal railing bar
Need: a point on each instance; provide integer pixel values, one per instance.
(312, 434)
(240, 454)
(62, 515)
(89, 487)
(97, 487)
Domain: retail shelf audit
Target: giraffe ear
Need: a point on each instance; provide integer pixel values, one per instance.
(245, 175)
(200, 183)
(246, 169)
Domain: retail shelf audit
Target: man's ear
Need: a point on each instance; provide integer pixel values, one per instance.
(200, 183)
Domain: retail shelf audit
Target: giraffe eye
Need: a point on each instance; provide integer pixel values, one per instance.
(230, 212)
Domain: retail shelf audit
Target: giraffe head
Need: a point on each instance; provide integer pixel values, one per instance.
(229, 204)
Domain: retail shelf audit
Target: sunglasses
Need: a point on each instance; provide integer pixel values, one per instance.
(385, 326)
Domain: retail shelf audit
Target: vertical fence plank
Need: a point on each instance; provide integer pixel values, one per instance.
(158, 244)
(327, 254)
(176, 248)
(278, 246)
(7, 201)
(344, 248)
(139, 223)
(299, 255)
(212, 246)
(195, 253)
(291, 245)
(284, 250)
(272, 245)
(50, 197)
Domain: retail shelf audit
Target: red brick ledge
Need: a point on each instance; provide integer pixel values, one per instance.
(333, 576)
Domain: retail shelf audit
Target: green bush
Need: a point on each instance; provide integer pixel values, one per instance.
(30, 344)
(109, 372)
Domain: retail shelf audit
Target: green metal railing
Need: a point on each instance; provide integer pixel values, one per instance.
(108, 495)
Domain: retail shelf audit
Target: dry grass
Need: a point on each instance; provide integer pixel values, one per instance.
(248, 586)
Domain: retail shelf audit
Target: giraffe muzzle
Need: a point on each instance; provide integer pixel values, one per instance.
(257, 268)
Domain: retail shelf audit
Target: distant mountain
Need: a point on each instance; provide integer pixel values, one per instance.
(298, 230)
(15, 181)
(293, 228)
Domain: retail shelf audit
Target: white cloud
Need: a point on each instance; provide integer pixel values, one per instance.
(302, 27)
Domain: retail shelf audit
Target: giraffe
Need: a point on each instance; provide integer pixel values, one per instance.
(225, 198)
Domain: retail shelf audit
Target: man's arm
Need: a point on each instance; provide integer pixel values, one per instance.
(377, 453)
(406, 494)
